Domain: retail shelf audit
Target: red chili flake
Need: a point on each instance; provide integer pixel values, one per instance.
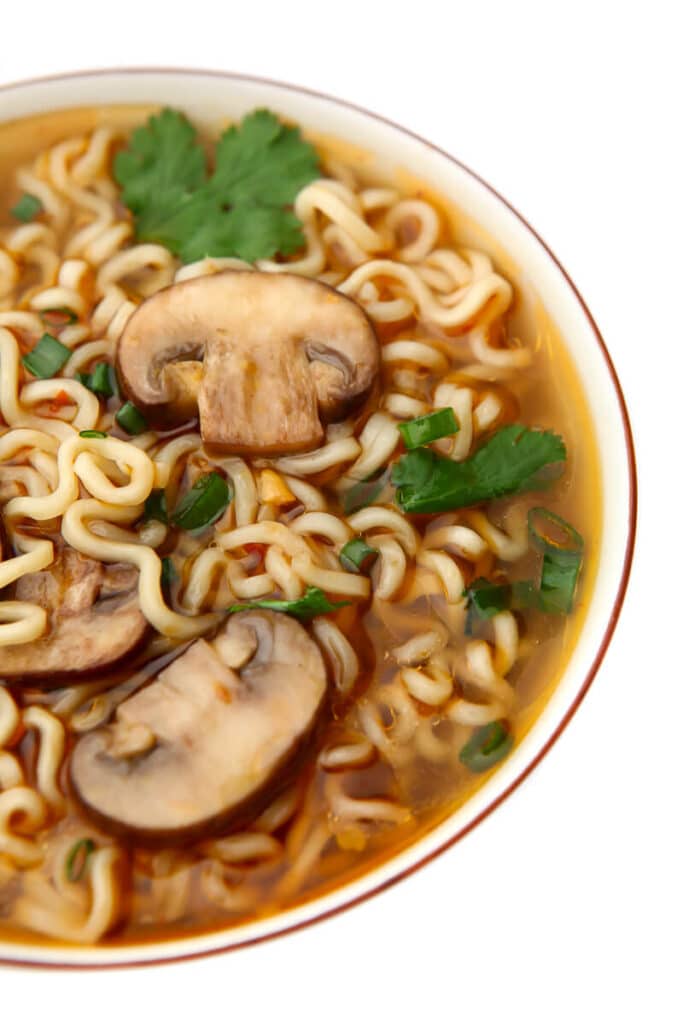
(59, 401)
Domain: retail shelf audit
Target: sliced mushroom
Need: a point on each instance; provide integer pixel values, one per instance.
(281, 356)
(211, 739)
(94, 620)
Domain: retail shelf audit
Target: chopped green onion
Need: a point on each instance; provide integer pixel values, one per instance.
(357, 556)
(93, 433)
(551, 534)
(130, 419)
(486, 747)
(47, 358)
(27, 208)
(102, 380)
(156, 508)
(204, 503)
(61, 317)
(77, 859)
(562, 548)
(424, 429)
(168, 572)
(366, 492)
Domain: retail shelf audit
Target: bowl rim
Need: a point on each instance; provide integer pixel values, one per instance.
(224, 945)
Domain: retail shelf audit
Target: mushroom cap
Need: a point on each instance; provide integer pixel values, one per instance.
(94, 620)
(282, 355)
(211, 738)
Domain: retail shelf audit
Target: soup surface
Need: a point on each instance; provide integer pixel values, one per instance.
(300, 513)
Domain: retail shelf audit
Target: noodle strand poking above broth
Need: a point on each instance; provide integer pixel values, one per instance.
(293, 473)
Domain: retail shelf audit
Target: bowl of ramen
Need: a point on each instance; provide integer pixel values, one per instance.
(317, 506)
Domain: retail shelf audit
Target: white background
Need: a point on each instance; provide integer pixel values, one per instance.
(566, 904)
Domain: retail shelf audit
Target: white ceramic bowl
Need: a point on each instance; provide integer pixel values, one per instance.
(212, 96)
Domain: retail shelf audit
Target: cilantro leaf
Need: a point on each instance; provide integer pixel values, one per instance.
(559, 580)
(314, 602)
(201, 227)
(241, 210)
(163, 162)
(515, 459)
(485, 599)
(262, 161)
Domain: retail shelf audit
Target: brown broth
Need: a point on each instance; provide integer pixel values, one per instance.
(548, 395)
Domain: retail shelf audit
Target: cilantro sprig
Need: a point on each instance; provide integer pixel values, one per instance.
(241, 209)
(513, 460)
